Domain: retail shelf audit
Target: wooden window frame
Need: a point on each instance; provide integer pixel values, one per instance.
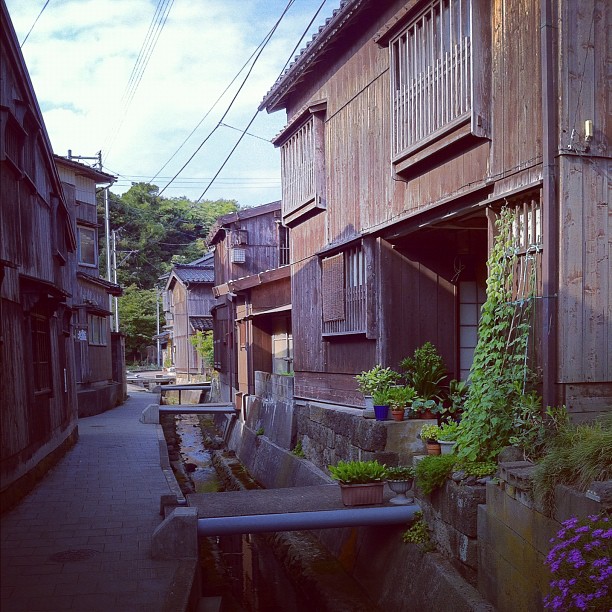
(42, 361)
(97, 330)
(344, 292)
(302, 145)
(460, 108)
(82, 262)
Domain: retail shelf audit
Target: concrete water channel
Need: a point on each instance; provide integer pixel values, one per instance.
(239, 573)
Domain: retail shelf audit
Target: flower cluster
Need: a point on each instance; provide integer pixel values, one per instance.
(581, 565)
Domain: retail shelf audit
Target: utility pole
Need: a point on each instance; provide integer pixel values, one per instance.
(109, 275)
(115, 279)
(157, 294)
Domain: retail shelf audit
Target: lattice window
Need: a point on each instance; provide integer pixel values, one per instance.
(344, 292)
(41, 354)
(431, 72)
(97, 330)
(283, 245)
(333, 288)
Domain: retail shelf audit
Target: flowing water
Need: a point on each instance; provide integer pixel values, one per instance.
(241, 570)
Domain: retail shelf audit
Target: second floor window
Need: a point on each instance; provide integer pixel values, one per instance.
(87, 246)
(283, 245)
(97, 329)
(303, 163)
(431, 73)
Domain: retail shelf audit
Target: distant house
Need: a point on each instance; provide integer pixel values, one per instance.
(252, 315)
(187, 304)
(99, 353)
(409, 125)
(38, 250)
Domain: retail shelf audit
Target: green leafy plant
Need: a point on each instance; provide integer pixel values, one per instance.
(259, 431)
(418, 533)
(500, 370)
(580, 565)
(202, 341)
(480, 469)
(433, 470)
(400, 397)
(381, 397)
(298, 451)
(400, 472)
(448, 431)
(358, 472)
(430, 433)
(535, 429)
(455, 398)
(420, 406)
(378, 378)
(577, 456)
(424, 371)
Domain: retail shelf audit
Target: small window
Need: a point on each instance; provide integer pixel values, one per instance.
(41, 354)
(343, 286)
(282, 350)
(97, 330)
(283, 245)
(87, 246)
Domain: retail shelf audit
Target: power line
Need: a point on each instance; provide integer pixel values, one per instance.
(227, 110)
(257, 111)
(146, 51)
(35, 22)
(212, 107)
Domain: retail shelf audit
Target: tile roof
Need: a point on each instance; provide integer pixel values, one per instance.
(201, 323)
(194, 274)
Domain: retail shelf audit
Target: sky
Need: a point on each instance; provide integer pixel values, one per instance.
(134, 78)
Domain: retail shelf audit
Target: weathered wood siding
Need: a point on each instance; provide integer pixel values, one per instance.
(34, 251)
(585, 258)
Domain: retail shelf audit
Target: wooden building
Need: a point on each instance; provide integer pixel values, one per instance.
(38, 247)
(410, 124)
(99, 352)
(252, 314)
(187, 303)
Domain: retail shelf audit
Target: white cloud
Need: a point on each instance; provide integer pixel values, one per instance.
(80, 56)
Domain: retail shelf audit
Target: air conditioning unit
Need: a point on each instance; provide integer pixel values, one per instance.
(238, 255)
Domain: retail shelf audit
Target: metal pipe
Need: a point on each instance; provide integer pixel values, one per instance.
(294, 521)
(550, 211)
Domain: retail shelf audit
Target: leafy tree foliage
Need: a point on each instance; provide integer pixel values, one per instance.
(137, 320)
(152, 234)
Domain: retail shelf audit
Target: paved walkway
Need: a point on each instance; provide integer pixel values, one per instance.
(81, 540)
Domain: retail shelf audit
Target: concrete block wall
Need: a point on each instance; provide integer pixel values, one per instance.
(451, 512)
(514, 539)
(332, 433)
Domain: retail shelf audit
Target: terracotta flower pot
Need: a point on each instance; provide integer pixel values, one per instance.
(433, 448)
(428, 414)
(362, 494)
(397, 415)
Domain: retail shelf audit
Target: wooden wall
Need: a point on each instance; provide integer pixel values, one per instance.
(32, 268)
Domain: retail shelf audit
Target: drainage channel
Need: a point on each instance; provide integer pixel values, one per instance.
(239, 573)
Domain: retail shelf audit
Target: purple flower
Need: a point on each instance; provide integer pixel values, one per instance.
(601, 562)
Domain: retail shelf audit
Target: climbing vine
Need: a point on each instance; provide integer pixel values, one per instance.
(500, 372)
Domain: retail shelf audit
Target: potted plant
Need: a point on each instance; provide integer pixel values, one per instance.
(456, 396)
(399, 398)
(447, 437)
(426, 408)
(375, 379)
(429, 434)
(424, 371)
(381, 400)
(361, 482)
(400, 481)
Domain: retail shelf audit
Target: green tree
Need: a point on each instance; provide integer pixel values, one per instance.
(154, 232)
(203, 343)
(137, 311)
